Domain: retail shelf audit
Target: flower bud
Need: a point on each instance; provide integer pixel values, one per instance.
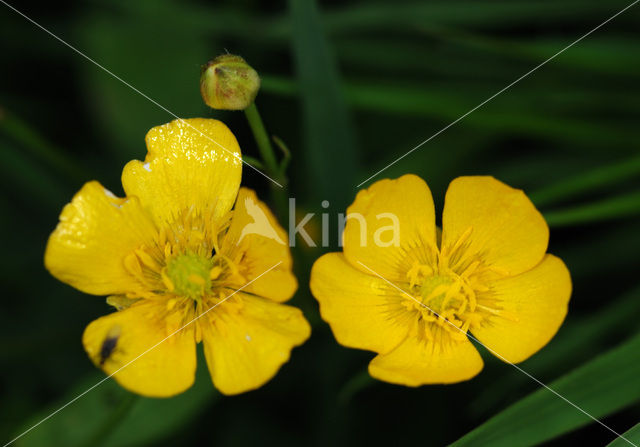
(229, 83)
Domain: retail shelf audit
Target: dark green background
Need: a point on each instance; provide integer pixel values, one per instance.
(349, 88)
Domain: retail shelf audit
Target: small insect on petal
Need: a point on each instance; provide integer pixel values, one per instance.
(109, 344)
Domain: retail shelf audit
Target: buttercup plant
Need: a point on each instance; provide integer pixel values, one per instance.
(413, 303)
(176, 264)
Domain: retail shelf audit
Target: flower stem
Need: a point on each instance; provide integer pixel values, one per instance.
(269, 160)
(354, 385)
(263, 141)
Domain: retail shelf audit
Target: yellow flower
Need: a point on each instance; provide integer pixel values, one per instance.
(413, 301)
(174, 250)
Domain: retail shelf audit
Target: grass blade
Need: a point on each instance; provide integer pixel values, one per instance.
(587, 181)
(600, 387)
(632, 435)
(617, 207)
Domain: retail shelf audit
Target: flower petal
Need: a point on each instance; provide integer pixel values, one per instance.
(536, 304)
(506, 228)
(419, 362)
(245, 349)
(191, 163)
(159, 367)
(359, 307)
(96, 232)
(256, 237)
(401, 207)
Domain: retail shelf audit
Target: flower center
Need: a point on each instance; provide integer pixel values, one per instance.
(444, 297)
(434, 290)
(189, 275)
(447, 299)
(449, 289)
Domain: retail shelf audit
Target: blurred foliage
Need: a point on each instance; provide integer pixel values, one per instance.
(349, 87)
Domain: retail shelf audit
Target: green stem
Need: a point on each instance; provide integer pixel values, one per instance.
(354, 385)
(114, 419)
(262, 140)
(279, 193)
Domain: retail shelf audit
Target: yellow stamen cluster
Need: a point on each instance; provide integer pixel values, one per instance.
(185, 269)
(447, 290)
(183, 262)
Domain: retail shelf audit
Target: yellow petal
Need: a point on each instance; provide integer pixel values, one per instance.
(191, 164)
(256, 237)
(166, 369)
(419, 362)
(245, 349)
(506, 229)
(536, 304)
(96, 232)
(360, 308)
(404, 204)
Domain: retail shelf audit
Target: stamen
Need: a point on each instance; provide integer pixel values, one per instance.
(462, 239)
(147, 260)
(167, 282)
(501, 312)
(215, 272)
(469, 270)
(235, 272)
(132, 264)
(499, 270)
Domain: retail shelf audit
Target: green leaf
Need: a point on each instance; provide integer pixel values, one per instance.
(99, 417)
(587, 181)
(75, 424)
(600, 387)
(616, 207)
(152, 420)
(632, 435)
(414, 15)
(329, 137)
(579, 339)
(448, 102)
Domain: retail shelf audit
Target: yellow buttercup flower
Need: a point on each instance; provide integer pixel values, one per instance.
(412, 297)
(174, 250)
